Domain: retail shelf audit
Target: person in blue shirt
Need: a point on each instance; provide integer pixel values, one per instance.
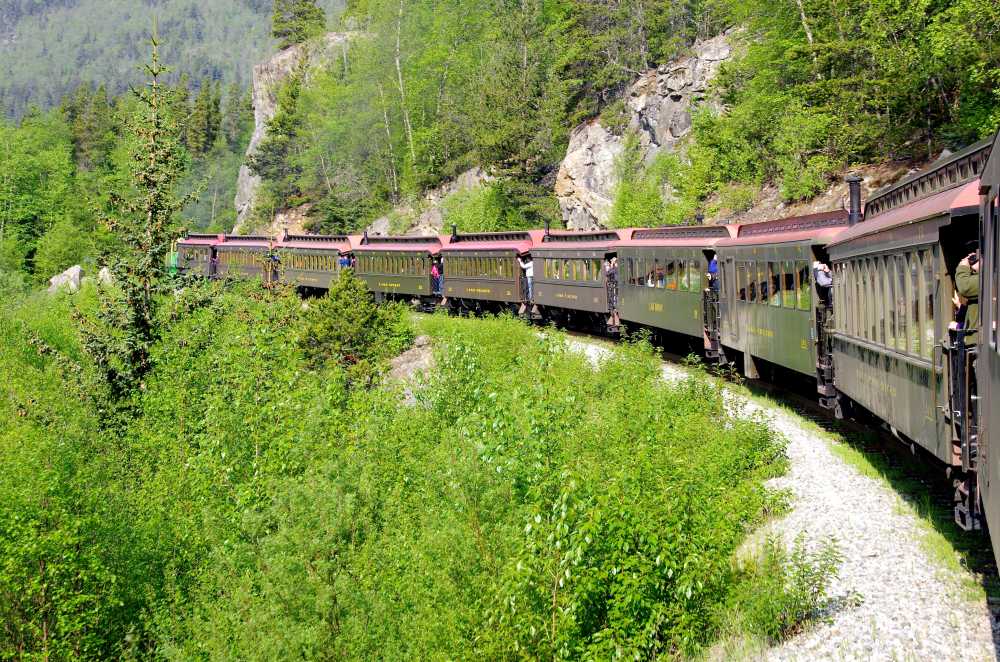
(713, 273)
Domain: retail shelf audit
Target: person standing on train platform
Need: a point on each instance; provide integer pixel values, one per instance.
(824, 281)
(435, 277)
(611, 281)
(528, 270)
(967, 286)
(713, 273)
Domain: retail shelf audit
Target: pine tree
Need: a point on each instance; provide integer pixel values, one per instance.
(295, 21)
(143, 221)
(236, 115)
(214, 114)
(199, 132)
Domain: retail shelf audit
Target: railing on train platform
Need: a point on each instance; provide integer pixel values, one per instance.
(964, 418)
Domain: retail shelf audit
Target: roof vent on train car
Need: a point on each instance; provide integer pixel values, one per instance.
(546, 227)
(854, 184)
(454, 231)
(364, 238)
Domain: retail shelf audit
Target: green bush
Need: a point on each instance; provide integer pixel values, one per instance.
(529, 504)
(345, 327)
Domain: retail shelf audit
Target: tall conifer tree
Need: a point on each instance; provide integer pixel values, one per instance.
(295, 21)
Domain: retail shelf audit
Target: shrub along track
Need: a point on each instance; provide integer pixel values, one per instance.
(903, 590)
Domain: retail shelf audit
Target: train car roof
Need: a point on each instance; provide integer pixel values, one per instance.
(957, 201)
(679, 235)
(340, 243)
(814, 228)
(589, 240)
(431, 244)
(521, 241)
(241, 240)
(199, 239)
(991, 171)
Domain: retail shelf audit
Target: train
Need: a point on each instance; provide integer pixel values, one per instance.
(879, 340)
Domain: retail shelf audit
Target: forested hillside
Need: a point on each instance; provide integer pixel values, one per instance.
(49, 47)
(436, 87)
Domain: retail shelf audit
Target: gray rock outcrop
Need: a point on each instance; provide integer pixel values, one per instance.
(659, 106)
(267, 80)
(68, 280)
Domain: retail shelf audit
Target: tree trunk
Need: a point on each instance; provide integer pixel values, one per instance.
(388, 136)
(402, 88)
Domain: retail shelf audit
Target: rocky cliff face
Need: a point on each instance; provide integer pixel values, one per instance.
(267, 80)
(659, 106)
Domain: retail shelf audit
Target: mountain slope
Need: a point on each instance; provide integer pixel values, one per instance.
(48, 47)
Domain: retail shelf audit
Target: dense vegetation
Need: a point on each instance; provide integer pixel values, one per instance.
(58, 168)
(278, 505)
(48, 48)
(433, 88)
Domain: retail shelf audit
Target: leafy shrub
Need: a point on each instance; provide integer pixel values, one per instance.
(482, 209)
(781, 590)
(346, 327)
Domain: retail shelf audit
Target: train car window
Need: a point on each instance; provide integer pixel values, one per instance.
(854, 295)
(888, 264)
(788, 285)
(871, 314)
(805, 286)
(901, 301)
(913, 266)
(774, 275)
(762, 291)
(752, 281)
(671, 276)
(928, 295)
(694, 274)
(741, 281)
(683, 283)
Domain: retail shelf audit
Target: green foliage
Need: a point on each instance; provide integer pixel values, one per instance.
(346, 328)
(529, 504)
(485, 208)
(143, 221)
(295, 21)
(61, 247)
(50, 48)
(781, 590)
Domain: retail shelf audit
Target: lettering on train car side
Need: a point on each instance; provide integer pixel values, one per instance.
(761, 331)
(803, 344)
(656, 307)
(566, 295)
(390, 285)
(876, 382)
(479, 290)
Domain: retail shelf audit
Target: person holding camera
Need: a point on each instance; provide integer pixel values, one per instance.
(967, 285)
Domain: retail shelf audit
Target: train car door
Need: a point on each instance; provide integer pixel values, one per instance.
(728, 302)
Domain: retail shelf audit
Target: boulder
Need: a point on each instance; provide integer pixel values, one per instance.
(104, 276)
(68, 280)
(659, 106)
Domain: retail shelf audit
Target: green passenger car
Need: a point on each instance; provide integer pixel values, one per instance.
(245, 256)
(893, 284)
(484, 268)
(767, 300)
(569, 272)
(397, 267)
(195, 255)
(311, 260)
(663, 276)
